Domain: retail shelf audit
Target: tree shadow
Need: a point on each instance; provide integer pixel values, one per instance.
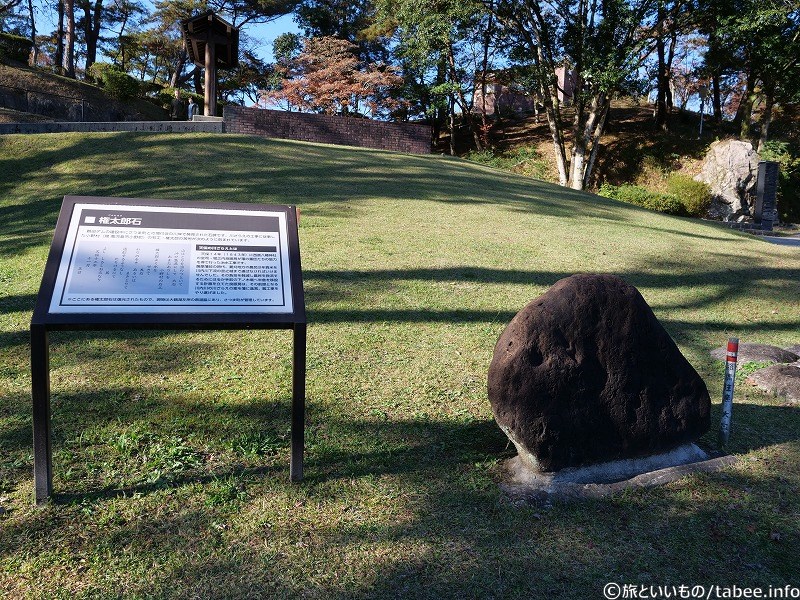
(457, 533)
(269, 171)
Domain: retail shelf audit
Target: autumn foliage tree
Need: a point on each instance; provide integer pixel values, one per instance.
(327, 77)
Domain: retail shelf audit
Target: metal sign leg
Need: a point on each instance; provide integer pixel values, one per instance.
(40, 390)
(298, 402)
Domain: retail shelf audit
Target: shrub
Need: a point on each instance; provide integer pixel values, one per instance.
(522, 159)
(694, 195)
(15, 47)
(635, 194)
(114, 81)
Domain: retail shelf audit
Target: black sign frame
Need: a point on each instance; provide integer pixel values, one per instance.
(44, 321)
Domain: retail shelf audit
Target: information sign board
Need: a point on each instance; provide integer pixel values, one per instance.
(126, 259)
(124, 263)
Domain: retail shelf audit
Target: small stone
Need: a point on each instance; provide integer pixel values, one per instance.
(757, 353)
(781, 379)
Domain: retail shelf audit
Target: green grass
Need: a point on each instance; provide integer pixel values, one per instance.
(171, 449)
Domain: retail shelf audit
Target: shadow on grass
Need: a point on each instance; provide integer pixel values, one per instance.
(710, 286)
(451, 531)
(460, 539)
(265, 171)
(361, 447)
(18, 303)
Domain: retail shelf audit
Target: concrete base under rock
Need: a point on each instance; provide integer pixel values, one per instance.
(599, 480)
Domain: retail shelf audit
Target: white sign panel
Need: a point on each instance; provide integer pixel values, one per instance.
(150, 259)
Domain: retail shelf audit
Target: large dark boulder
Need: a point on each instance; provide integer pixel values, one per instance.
(586, 374)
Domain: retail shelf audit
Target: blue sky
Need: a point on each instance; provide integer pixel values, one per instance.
(261, 35)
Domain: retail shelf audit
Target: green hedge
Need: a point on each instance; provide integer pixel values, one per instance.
(694, 195)
(114, 81)
(15, 47)
(634, 194)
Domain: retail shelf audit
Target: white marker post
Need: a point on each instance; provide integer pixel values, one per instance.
(727, 391)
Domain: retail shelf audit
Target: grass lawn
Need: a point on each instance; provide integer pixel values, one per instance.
(171, 449)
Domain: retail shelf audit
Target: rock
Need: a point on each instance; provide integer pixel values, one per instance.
(781, 380)
(731, 170)
(757, 353)
(794, 349)
(586, 374)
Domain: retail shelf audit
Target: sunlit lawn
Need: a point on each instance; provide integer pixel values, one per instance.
(171, 449)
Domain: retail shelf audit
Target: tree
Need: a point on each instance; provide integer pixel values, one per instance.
(770, 34)
(247, 80)
(243, 12)
(9, 5)
(443, 43)
(327, 77)
(673, 17)
(342, 19)
(603, 41)
(59, 58)
(757, 42)
(69, 39)
(124, 15)
(90, 24)
(35, 54)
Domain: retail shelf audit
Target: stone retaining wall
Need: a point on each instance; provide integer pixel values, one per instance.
(216, 126)
(411, 138)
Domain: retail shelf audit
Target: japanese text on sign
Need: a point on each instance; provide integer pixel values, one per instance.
(170, 259)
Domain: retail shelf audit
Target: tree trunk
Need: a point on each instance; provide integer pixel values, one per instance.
(553, 112)
(35, 56)
(120, 42)
(174, 80)
(487, 39)
(59, 58)
(766, 118)
(549, 92)
(716, 97)
(197, 80)
(92, 19)
(580, 137)
(601, 123)
(466, 109)
(588, 136)
(69, 42)
(744, 114)
(452, 116)
(662, 75)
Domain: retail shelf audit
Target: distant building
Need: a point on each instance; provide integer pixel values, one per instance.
(500, 97)
(504, 97)
(566, 84)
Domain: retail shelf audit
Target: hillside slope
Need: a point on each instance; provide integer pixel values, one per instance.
(171, 448)
(633, 151)
(60, 98)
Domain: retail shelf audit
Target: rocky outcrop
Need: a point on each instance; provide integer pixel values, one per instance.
(731, 170)
(586, 374)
